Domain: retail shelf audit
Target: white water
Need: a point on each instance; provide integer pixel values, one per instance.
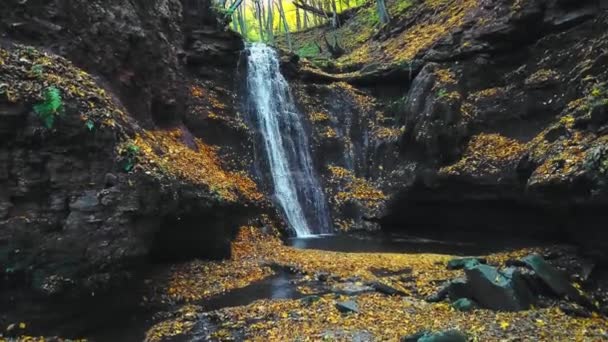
(296, 189)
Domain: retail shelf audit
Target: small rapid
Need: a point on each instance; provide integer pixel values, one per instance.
(296, 188)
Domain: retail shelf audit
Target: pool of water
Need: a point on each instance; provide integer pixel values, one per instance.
(452, 244)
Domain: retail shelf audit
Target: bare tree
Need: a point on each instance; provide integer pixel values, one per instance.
(285, 24)
(241, 18)
(270, 23)
(258, 14)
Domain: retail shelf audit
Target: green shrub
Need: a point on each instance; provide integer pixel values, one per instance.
(51, 107)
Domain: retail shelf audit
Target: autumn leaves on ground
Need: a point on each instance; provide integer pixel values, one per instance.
(315, 317)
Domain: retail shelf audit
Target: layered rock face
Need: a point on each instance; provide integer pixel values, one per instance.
(498, 109)
(122, 173)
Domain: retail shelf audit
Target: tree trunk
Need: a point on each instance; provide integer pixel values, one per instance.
(270, 23)
(305, 19)
(258, 12)
(242, 21)
(298, 20)
(382, 12)
(285, 25)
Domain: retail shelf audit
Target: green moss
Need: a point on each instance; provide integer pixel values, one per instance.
(370, 16)
(402, 6)
(308, 50)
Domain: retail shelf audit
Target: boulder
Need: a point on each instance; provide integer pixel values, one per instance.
(492, 289)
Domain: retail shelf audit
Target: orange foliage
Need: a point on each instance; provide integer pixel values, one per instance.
(167, 151)
(196, 91)
(487, 154)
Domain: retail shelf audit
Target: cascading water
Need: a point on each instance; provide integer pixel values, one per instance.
(296, 188)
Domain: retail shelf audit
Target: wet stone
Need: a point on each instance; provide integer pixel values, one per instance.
(556, 280)
(347, 306)
(461, 263)
(497, 290)
(386, 289)
(308, 300)
(352, 288)
(464, 305)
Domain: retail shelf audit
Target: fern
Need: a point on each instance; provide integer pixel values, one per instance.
(132, 151)
(48, 109)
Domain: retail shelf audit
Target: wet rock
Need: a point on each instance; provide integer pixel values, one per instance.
(515, 263)
(464, 305)
(572, 309)
(111, 179)
(87, 202)
(352, 288)
(322, 276)
(444, 336)
(381, 272)
(461, 263)
(347, 306)
(553, 278)
(348, 335)
(386, 289)
(439, 295)
(308, 300)
(599, 114)
(459, 288)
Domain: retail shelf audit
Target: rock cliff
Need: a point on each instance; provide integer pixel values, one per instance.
(474, 116)
(119, 130)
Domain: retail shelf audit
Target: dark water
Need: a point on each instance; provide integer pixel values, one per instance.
(453, 244)
(278, 286)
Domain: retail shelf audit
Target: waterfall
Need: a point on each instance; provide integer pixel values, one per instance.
(296, 188)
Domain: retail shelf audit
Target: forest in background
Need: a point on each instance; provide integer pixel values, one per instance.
(264, 20)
